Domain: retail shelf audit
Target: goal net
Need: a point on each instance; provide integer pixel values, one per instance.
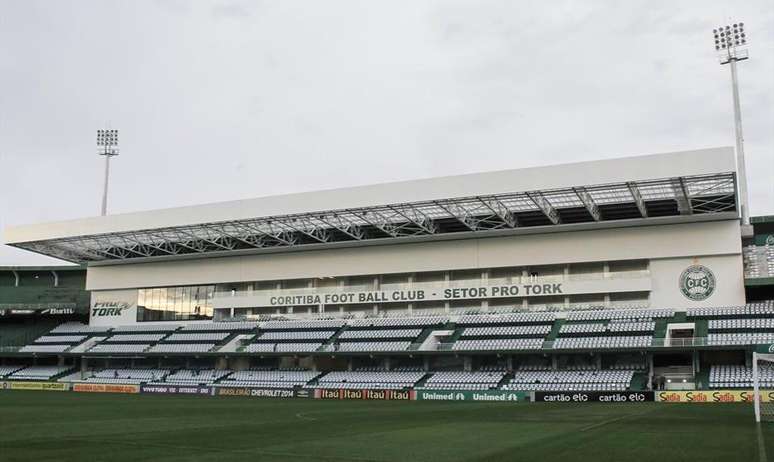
(763, 382)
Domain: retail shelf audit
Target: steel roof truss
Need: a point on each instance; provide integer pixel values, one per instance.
(638, 199)
(589, 203)
(548, 210)
(681, 196)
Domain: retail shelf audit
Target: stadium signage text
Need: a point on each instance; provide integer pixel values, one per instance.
(261, 392)
(176, 389)
(594, 396)
(345, 393)
(714, 396)
(39, 386)
(109, 308)
(58, 311)
(383, 296)
(105, 388)
(483, 395)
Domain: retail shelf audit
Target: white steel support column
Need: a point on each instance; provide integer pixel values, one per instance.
(377, 287)
(410, 306)
(484, 282)
(446, 279)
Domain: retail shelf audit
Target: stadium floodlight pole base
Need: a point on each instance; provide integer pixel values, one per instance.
(763, 410)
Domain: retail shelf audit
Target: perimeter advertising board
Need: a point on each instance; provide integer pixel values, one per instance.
(105, 388)
(176, 389)
(345, 393)
(594, 396)
(262, 392)
(38, 386)
(484, 395)
(713, 396)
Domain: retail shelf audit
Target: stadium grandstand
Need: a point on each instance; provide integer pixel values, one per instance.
(631, 274)
(35, 299)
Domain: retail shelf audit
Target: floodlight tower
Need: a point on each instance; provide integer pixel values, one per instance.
(107, 146)
(731, 45)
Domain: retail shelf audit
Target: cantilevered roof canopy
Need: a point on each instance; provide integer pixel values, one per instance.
(690, 185)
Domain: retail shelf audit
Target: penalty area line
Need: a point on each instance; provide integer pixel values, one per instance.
(615, 419)
(761, 445)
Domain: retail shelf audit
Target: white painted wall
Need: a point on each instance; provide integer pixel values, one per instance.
(127, 316)
(665, 274)
(670, 249)
(647, 242)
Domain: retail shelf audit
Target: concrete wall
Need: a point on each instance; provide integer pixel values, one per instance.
(665, 277)
(670, 248)
(113, 308)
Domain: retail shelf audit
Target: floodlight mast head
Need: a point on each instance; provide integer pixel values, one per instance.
(107, 142)
(731, 45)
(107, 146)
(731, 42)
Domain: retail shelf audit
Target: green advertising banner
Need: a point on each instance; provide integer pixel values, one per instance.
(764, 239)
(764, 348)
(483, 395)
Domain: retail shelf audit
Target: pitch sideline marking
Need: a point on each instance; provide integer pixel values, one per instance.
(301, 416)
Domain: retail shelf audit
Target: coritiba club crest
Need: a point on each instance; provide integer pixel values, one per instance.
(697, 283)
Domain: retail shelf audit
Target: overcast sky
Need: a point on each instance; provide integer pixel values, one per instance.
(224, 100)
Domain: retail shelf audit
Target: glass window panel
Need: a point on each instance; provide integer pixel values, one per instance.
(186, 303)
(175, 305)
(203, 301)
(169, 303)
(157, 304)
(198, 302)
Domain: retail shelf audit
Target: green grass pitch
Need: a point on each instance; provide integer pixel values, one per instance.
(50, 426)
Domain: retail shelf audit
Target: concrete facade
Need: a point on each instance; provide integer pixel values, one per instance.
(669, 250)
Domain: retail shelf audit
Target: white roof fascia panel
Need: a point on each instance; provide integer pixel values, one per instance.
(639, 168)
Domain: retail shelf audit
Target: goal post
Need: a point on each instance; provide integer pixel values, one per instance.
(763, 378)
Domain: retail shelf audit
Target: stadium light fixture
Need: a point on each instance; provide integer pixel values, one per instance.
(107, 146)
(731, 45)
